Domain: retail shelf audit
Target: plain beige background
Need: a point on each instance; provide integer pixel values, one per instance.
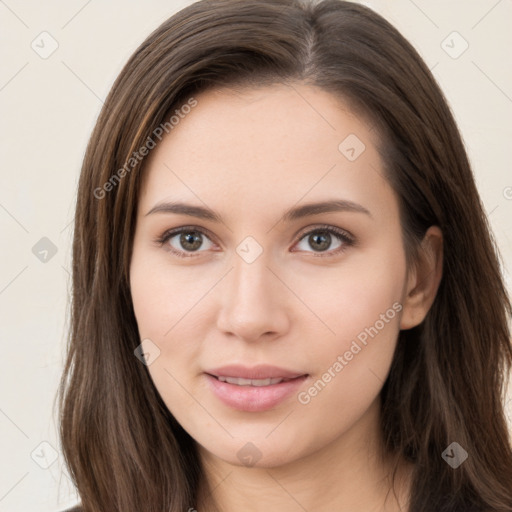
(48, 109)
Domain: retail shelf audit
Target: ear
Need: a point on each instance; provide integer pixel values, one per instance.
(423, 281)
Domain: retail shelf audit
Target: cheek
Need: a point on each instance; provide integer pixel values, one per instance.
(167, 304)
(368, 300)
(163, 303)
(361, 306)
(365, 291)
(163, 295)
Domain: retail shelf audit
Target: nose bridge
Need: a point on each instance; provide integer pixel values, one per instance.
(253, 304)
(251, 280)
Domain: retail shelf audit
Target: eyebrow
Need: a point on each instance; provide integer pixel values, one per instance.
(294, 213)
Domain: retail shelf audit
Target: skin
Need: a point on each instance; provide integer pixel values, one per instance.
(250, 155)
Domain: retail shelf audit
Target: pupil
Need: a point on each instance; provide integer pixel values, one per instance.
(190, 241)
(322, 240)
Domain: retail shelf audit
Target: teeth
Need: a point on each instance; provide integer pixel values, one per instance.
(250, 382)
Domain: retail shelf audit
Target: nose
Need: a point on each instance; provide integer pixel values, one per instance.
(254, 302)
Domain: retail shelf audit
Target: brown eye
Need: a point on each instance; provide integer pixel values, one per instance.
(190, 240)
(184, 242)
(321, 240)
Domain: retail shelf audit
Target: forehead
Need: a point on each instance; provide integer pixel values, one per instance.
(265, 146)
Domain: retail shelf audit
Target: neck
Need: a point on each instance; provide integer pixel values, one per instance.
(351, 473)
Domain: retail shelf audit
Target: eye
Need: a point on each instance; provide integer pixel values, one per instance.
(321, 239)
(184, 241)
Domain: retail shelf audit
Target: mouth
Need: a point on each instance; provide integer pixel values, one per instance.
(239, 381)
(254, 394)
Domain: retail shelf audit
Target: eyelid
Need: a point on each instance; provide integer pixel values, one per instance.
(170, 233)
(346, 238)
(327, 227)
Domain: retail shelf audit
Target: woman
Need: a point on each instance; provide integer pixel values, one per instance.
(285, 291)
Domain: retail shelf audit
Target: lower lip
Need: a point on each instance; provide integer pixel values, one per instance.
(254, 398)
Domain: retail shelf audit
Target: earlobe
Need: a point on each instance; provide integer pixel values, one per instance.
(424, 280)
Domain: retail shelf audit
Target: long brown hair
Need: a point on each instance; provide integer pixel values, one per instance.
(447, 383)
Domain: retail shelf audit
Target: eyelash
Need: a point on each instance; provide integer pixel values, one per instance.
(343, 236)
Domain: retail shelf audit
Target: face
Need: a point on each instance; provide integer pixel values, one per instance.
(252, 285)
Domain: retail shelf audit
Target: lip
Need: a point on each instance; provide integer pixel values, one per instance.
(254, 398)
(262, 371)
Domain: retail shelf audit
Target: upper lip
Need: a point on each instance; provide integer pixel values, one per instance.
(262, 371)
